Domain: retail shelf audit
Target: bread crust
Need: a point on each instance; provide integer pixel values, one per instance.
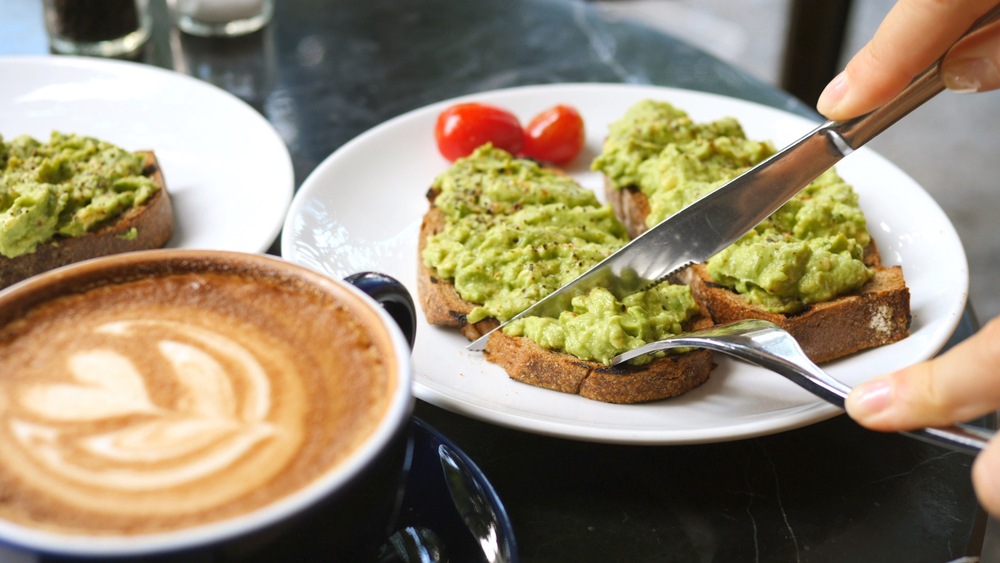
(665, 377)
(631, 207)
(153, 221)
(527, 362)
(442, 304)
(877, 314)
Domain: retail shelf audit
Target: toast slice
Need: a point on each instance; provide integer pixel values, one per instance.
(153, 221)
(442, 304)
(877, 314)
(665, 377)
(527, 362)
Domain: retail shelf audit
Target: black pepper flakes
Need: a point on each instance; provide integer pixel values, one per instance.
(90, 21)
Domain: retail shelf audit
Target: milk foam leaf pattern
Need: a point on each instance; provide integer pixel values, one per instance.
(199, 434)
(173, 438)
(112, 388)
(209, 391)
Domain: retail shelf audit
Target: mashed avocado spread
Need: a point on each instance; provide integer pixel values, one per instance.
(515, 232)
(600, 327)
(65, 187)
(808, 251)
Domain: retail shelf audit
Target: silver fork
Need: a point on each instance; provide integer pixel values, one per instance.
(769, 346)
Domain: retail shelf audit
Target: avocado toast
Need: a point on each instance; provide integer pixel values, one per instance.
(76, 198)
(811, 267)
(503, 233)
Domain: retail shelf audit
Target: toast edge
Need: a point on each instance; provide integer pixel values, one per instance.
(665, 377)
(153, 221)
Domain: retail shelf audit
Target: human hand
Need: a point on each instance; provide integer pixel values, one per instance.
(913, 35)
(960, 385)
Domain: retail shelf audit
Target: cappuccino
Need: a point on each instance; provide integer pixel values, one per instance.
(168, 402)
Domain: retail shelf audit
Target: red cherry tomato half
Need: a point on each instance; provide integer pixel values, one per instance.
(556, 135)
(462, 128)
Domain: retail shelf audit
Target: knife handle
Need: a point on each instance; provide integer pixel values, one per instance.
(851, 134)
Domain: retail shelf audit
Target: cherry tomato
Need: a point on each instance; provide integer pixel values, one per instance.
(462, 128)
(556, 135)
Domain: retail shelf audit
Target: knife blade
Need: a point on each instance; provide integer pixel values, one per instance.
(700, 230)
(710, 224)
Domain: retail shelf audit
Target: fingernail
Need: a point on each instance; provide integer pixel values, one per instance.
(871, 398)
(966, 76)
(832, 94)
(984, 478)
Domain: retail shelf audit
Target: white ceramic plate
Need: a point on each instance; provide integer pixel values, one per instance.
(228, 172)
(361, 210)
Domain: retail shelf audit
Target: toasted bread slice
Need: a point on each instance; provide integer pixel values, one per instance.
(669, 376)
(439, 299)
(877, 314)
(526, 361)
(153, 221)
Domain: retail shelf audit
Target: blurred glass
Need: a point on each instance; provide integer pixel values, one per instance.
(220, 18)
(243, 66)
(104, 28)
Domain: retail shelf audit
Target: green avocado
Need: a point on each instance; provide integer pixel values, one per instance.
(491, 182)
(600, 327)
(647, 128)
(509, 262)
(65, 187)
(808, 251)
(516, 231)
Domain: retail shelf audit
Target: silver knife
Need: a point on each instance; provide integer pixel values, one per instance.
(717, 220)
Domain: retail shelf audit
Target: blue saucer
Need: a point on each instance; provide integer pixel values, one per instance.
(449, 510)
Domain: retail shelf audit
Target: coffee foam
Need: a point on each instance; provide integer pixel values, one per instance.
(169, 402)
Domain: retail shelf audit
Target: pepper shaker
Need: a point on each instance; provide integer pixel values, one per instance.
(105, 28)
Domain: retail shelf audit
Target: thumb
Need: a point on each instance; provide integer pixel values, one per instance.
(986, 477)
(913, 35)
(960, 385)
(973, 65)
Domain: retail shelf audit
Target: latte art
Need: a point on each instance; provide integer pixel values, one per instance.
(165, 403)
(205, 434)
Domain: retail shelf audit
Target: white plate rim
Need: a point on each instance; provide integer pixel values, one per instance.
(262, 238)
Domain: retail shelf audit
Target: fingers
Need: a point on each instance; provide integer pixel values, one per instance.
(986, 478)
(914, 35)
(973, 65)
(960, 385)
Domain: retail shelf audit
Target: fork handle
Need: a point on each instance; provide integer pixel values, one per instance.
(806, 374)
(960, 437)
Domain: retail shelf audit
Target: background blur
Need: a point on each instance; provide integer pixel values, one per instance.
(950, 146)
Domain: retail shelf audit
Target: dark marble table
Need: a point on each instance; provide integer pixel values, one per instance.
(324, 72)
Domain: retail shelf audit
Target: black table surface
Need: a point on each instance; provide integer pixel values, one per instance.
(323, 72)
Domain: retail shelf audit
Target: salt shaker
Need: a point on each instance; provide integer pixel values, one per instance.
(221, 18)
(106, 28)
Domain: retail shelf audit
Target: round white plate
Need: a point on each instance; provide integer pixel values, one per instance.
(228, 172)
(361, 210)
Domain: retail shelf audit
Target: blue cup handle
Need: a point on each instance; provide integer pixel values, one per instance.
(392, 296)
